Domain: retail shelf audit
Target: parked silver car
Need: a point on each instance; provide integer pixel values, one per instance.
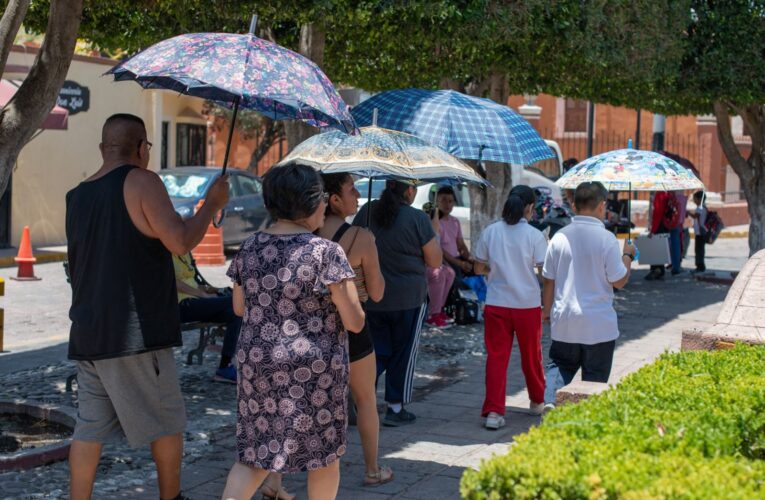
(245, 212)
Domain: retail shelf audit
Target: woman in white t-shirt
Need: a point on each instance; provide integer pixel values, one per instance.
(510, 251)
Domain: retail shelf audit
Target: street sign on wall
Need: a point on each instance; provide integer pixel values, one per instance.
(74, 97)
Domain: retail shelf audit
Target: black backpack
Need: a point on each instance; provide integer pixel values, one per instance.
(465, 311)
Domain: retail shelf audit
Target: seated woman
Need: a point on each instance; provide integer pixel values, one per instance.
(201, 302)
(457, 259)
(296, 293)
(456, 252)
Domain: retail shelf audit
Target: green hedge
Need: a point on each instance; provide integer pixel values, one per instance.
(690, 425)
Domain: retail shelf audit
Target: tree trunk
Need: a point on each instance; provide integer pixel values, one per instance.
(750, 171)
(312, 41)
(13, 16)
(25, 112)
(272, 132)
(486, 204)
(755, 196)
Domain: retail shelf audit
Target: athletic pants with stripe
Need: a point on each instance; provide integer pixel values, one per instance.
(500, 325)
(396, 335)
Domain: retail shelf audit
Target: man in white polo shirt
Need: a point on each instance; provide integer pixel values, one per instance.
(583, 264)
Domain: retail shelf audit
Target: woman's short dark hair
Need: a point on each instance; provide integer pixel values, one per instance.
(520, 197)
(333, 184)
(588, 195)
(386, 210)
(698, 195)
(445, 190)
(292, 192)
(569, 163)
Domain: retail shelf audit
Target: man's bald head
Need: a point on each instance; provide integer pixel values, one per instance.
(122, 134)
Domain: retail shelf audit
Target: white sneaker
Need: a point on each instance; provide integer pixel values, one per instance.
(548, 408)
(536, 408)
(494, 421)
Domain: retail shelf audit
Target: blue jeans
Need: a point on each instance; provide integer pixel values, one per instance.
(214, 310)
(675, 248)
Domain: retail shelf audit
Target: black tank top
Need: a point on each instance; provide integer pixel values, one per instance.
(124, 299)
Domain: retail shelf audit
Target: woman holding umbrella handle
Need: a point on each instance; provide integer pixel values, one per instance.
(296, 294)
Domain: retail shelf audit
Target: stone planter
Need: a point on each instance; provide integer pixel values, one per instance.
(742, 318)
(33, 457)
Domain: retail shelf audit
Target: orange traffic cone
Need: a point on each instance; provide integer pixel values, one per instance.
(25, 258)
(209, 252)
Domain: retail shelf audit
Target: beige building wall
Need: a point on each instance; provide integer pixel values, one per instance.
(57, 160)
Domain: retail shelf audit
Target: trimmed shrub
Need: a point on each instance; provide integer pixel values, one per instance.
(690, 425)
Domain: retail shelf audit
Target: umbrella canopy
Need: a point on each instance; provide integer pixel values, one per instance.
(240, 69)
(380, 153)
(631, 170)
(467, 127)
(57, 119)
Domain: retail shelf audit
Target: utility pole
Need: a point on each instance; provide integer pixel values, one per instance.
(590, 127)
(659, 122)
(637, 131)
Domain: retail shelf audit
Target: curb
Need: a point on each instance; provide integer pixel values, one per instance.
(42, 258)
(724, 234)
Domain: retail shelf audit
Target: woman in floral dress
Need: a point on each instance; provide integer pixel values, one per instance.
(296, 294)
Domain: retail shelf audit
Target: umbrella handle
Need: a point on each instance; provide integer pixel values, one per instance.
(230, 135)
(219, 222)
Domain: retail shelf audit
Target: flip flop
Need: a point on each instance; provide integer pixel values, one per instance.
(269, 493)
(382, 476)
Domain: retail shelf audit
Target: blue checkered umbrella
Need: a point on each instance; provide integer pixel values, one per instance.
(467, 127)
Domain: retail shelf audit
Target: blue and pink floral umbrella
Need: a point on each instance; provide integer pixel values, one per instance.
(240, 71)
(632, 170)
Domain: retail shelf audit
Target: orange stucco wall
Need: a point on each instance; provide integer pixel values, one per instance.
(241, 150)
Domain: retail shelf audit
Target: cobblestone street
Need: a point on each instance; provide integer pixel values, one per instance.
(427, 457)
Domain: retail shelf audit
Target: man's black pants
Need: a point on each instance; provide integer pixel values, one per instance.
(566, 359)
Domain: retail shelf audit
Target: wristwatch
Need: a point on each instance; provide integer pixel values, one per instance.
(632, 257)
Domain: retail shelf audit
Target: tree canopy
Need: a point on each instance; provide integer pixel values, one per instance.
(674, 57)
(670, 57)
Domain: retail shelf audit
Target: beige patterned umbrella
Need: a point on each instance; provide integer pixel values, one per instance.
(380, 153)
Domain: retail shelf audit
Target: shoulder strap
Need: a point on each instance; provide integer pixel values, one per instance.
(358, 229)
(341, 231)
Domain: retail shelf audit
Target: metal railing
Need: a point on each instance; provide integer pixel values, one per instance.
(575, 145)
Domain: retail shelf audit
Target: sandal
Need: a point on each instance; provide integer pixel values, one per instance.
(268, 493)
(382, 476)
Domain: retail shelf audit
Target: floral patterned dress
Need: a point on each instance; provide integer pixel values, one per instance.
(292, 353)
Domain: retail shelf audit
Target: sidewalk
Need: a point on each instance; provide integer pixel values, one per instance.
(43, 255)
(427, 457)
(741, 231)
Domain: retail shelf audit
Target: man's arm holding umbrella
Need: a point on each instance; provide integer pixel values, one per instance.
(153, 213)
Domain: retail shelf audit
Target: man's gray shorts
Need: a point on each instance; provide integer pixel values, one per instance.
(137, 397)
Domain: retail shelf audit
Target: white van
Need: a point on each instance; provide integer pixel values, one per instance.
(541, 174)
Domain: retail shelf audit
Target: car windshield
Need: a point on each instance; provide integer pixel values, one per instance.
(180, 185)
(378, 185)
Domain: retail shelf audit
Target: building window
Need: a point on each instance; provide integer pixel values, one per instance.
(575, 119)
(163, 151)
(190, 143)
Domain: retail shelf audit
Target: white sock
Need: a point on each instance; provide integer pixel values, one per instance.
(396, 407)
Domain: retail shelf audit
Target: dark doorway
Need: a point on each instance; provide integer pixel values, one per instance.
(163, 150)
(190, 142)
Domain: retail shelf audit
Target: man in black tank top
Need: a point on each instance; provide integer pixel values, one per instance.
(121, 229)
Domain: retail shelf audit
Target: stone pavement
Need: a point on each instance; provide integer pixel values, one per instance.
(427, 457)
